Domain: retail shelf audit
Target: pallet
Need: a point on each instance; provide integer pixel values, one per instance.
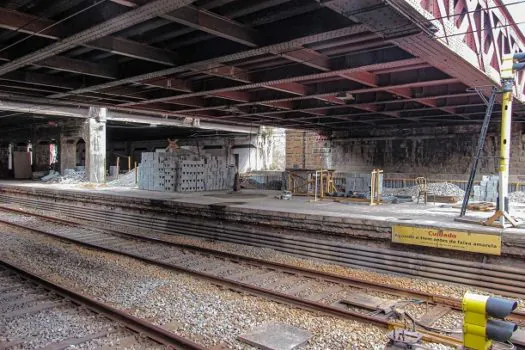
(442, 199)
(481, 206)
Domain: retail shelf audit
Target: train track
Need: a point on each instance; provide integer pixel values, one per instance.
(307, 289)
(29, 303)
(503, 280)
(453, 303)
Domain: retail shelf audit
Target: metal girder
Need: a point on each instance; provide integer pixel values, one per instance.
(41, 80)
(270, 49)
(226, 71)
(238, 96)
(82, 112)
(309, 57)
(168, 83)
(26, 23)
(300, 78)
(373, 110)
(133, 49)
(78, 66)
(19, 21)
(214, 24)
(115, 24)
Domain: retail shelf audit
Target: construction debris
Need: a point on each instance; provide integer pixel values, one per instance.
(70, 176)
(436, 188)
(518, 197)
(124, 180)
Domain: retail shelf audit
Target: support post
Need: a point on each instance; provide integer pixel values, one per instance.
(506, 117)
(118, 167)
(508, 71)
(96, 145)
(136, 173)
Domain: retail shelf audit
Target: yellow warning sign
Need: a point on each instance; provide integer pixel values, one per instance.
(447, 239)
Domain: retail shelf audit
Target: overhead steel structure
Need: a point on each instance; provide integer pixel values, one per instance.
(309, 64)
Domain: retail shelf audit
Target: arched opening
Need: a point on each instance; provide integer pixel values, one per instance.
(80, 159)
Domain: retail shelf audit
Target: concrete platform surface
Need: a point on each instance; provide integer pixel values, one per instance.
(434, 215)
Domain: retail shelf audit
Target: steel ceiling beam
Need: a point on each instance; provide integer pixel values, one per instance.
(296, 79)
(42, 27)
(214, 24)
(72, 65)
(128, 19)
(270, 49)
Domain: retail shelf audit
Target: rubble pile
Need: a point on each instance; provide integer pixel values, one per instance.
(71, 176)
(517, 197)
(124, 180)
(437, 188)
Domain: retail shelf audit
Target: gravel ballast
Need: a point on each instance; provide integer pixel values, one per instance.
(189, 307)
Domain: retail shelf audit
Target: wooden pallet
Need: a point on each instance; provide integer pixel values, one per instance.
(481, 206)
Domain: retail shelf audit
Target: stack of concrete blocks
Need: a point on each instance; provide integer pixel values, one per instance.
(487, 190)
(173, 172)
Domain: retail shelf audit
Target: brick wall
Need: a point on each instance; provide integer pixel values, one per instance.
(308, 150)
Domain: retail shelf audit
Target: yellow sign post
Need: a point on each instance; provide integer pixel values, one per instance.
(447, 239)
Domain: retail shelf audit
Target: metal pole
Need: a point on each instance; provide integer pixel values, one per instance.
(136, 173)
(506, 118)
(315, 190)
(479, 150)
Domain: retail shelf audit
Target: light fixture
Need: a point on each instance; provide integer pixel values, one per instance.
(345, 96)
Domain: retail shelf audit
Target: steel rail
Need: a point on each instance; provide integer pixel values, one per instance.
(441, 268)
(305, 304)
(517, 316)
(136, 324)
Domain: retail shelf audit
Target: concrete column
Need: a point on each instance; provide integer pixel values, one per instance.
(96, 145)
(67, 154)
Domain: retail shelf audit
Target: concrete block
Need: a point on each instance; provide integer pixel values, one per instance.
(276, 336)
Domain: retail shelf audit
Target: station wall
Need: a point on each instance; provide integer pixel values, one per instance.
(437, 152)
(265, 151)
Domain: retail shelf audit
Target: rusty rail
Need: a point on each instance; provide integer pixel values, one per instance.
(499, 279)
(136, 324)
(262, 292)
(517, 316)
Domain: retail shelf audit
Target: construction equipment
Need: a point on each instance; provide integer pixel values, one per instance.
(311, 182)
(479, 328)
